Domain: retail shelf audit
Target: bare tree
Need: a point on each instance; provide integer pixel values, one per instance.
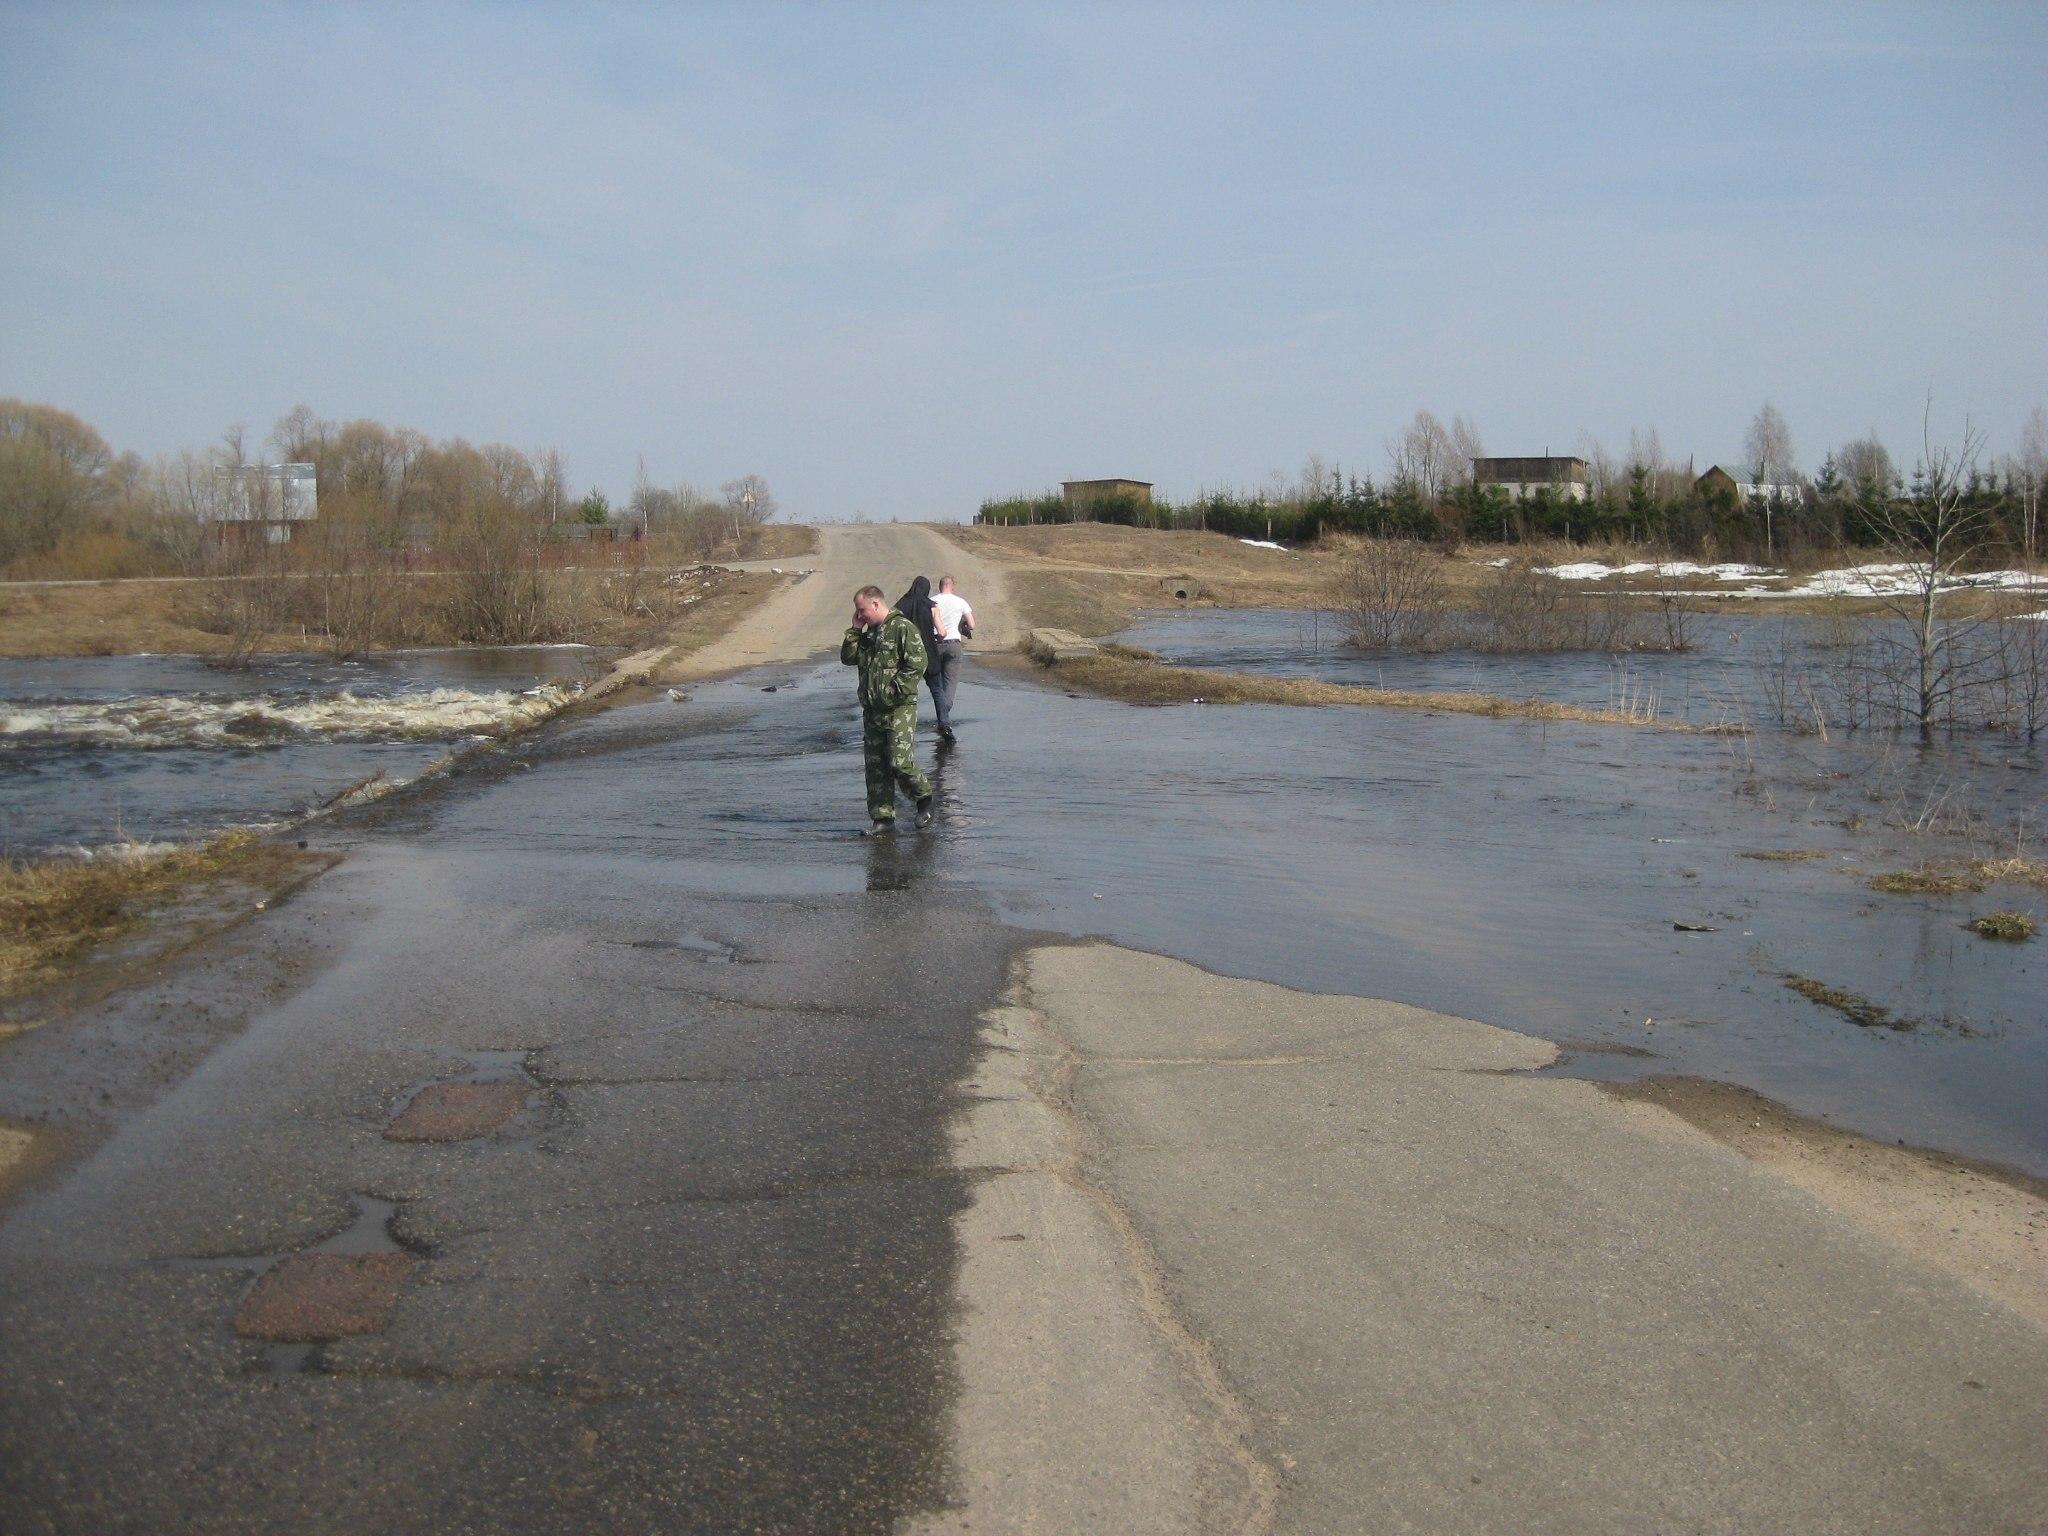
(1767, 447)
(2030, 471)
(1602, 473)
(1465, 447)
(1865, 462)
(52, 475)
(749, 503)
(1317, 478)
(1424, 455)
(1931, 531)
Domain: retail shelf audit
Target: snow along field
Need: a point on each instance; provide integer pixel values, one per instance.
(1884, 580)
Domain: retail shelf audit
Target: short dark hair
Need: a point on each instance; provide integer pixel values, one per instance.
(874, 592)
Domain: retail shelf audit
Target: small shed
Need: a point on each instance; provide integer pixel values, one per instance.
(1080, 492)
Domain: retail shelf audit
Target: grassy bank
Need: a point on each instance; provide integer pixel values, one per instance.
(1091, 577)
(59, 914)
(627, 607)
(1136, 677)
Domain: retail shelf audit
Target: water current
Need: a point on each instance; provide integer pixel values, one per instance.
(102, 749)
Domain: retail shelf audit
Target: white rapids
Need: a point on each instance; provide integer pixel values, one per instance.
(175, 720)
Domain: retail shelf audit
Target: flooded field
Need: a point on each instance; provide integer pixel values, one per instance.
(156, 748)
(1527, 874)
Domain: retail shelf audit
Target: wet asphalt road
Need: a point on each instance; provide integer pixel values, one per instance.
(700, 1282)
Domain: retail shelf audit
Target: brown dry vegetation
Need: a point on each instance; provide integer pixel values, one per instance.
(1926, 881)
(1091, 577)
(54, 911)
(624, 606)
(1135, 677)
(2009, 927)
(1857, 1009)
(780, 541)
(1963, 878)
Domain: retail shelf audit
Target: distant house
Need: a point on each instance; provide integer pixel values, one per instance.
(1719, 482)
(1566, 477)
(269, 497)
(1077, 493)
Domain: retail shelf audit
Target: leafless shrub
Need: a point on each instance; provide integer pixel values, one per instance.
(1674, 605)
(1932, 530)
(1391, 592)
(2021, 676)
(355, 590)
(247, 599)
(498, 590)
(1518, 608)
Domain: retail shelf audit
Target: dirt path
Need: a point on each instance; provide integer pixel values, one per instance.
(810, 615)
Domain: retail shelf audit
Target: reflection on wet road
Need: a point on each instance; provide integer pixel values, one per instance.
(1521, 873)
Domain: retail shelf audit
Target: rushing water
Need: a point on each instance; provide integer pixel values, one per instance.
(1524, 873)
(150, 748)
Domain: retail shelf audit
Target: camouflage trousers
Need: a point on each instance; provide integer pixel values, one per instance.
(886, 744)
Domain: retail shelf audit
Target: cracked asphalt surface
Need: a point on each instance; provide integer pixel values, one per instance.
(699, 1282)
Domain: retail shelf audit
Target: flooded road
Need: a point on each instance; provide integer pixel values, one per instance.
(158, 748)
(1521, 873)
(583, 1152)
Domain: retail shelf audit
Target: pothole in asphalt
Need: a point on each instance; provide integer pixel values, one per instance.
(694, 946)
(496, 1090)
(341, 1286)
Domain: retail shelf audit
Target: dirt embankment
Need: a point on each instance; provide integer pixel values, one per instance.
(1091, 577)
(597, 604)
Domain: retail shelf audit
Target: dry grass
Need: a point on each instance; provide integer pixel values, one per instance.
(2012, 927)
(1785, 855)
(781, 541)
(2016, 871)
(53, 912)
(1856, 1009)
(1927, 880)
(1130, 675)
(594, 605)
(114, 618)
(1123, 567)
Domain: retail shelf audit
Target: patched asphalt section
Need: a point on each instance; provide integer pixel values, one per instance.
(709, 1287)
(311, 1297)
(457, 1111)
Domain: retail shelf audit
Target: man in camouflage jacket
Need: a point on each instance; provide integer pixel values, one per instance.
(891, 657)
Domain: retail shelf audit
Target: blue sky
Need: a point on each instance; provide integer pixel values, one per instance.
(897, 258)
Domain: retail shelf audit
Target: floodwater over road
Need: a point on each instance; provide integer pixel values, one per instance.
(1524, 873)
(155, 748)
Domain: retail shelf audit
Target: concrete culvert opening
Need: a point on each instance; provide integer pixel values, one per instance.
(1182, 587)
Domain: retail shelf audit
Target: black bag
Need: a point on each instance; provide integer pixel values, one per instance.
(966, 627)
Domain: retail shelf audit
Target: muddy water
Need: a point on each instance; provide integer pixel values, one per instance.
(99, 749)
(1521, 873)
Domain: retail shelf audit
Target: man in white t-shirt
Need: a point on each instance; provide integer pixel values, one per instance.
(954, 621)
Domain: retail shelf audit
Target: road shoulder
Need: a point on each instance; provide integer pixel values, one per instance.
(1371, 1258)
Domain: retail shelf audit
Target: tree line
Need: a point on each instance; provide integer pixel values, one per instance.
(414, 536)
(71, 506)
(1428, 491)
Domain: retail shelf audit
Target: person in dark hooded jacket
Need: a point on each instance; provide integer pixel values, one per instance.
(916, 606)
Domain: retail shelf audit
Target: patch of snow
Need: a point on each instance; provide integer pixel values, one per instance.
(1900, 577)
(1595, 570)
(1262, 544)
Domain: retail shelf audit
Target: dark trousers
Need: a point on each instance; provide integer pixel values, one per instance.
(943, 678)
